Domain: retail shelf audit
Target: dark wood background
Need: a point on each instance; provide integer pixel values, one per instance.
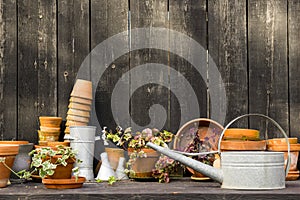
(255, 45)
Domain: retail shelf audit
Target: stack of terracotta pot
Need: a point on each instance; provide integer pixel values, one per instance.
(242, 140)
(49, 129)
(279, 144)
(80, 105)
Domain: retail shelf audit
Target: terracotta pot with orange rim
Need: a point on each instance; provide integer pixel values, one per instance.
(143, 166)
(241, 134)
(8, 153)
(62, 172)
(279, 144)
(50, 121)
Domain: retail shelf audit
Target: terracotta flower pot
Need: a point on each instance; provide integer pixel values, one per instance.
(232, 145)
(79, 106)
(143, 166)
(81, 100)
(62, 172)
(83, 89)
(114, 155)
(50, 121)
(241, 134)
(75, 123)
(282, 141)
(80, 113)
(7, 153)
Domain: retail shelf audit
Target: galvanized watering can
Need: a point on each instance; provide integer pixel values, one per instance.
(252, 170)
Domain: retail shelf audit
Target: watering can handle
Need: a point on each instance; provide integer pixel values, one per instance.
(273, 121)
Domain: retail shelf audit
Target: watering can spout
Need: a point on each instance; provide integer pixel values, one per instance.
(213, 173)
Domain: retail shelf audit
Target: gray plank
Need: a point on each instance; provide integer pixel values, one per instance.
(149, 86)
(8, 66)
(294, 63)
(47, 60)
(227, 46)
(268, 69)
(73, 47)
(189, 18)
(28, 20)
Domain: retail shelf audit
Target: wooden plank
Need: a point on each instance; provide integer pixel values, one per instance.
(28, 20)
(294, 63)
(268, 69)
(47, 60)
(127, 189)
(147, 92)
(73, 46)
(8, 66)
(228, 49)
(189, 18)
(108, 19)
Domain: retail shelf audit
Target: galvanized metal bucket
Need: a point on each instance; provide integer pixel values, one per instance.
(82, 139)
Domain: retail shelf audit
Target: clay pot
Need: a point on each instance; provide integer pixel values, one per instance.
(143, 166)
(49, 129)
(62, 172)
(63, 183)
(79, 106)
(83, 89)
(81, 113)
(114, 155)
(80, 100)
(294, 153)
(7, 152)
(54, 144)
(78, 118)
(48, 136)
(50, 121)
(282, 141)
(75, 123)
(229, 145)
(241, 134)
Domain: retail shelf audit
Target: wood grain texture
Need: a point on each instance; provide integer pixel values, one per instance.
(73, 46)
(268, 71)
(28, 69)
(150, 97)
(294, 63)
(227, 46)
(176, 189)
(189, 18)
(8, 70)
(47, 60)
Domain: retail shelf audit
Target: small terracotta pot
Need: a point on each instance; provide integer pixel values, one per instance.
(143, 166)
(50, 129)
(114, 155)
(78, 118)
(83, 89)
(294, 153)
(81, 100)
(50, 121)
(54, 144)
(62, 172)
(79, 106)
(282, 141)
(7, 152)
(243, 145)
(241, 134)
(75, 123)
(80, 113)
(48, 136)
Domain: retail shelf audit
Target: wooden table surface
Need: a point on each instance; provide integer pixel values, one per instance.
(176, 189)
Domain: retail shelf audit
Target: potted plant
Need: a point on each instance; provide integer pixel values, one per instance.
(55, 166)
(141, 158)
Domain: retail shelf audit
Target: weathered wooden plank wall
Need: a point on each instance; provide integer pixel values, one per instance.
(253, 43)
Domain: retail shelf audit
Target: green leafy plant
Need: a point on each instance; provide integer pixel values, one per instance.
(111, 180)
(136, 142)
